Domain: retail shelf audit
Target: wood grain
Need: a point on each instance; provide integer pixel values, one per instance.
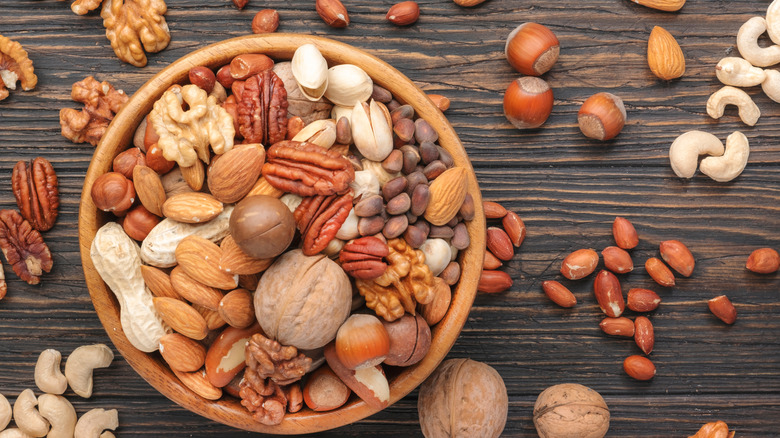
(566, 188)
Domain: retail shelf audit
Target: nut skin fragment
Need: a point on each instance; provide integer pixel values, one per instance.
(747, 43)
(570, 409)
(81, 362)
(728, 95)
(133, 26)
(15, 66)
(731, 164)
(101, 102)
(686, 149)
(23, 247)
(36, 191)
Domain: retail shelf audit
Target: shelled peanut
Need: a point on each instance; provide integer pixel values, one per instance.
(501, 243)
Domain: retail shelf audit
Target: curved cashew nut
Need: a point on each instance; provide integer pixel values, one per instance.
(773, 21)
(48, 376)
(747, 43)
(739, 73)
(108, 434)
(771, 85)
(13, 433)
(5, 412)
(729, 165)
(95, 421)
(748, 110)
(80, 363)
(27, 417)
(685, 150)
(60, 413)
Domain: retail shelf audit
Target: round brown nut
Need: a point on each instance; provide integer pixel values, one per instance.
(411, 156)
(262, 226)
(416, 235)
(370, 206)
(410, 339)
(395, 226)
(434, 169)
(265, 21)
(423, 131)
(394, 162)
(428, 152)
(393, 188)
(368, 226)
(571, 409)
(399, 204)
(413, 180)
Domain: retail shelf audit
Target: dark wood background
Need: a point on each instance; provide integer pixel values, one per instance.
(567, 189)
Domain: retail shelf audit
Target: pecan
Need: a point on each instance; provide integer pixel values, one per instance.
(262, 109)
(319, 219)
(269, 359)
(307, 169)
(35, 189)
(406, 282)
(15, 66)
(3, 286)
(101, 102)
(362, 258)
(23, 247)
(131, 24)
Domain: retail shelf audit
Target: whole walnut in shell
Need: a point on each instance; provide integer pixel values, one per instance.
(303, 300)
(571, 410)
(464, 399)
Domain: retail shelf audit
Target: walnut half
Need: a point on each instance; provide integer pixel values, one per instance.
(15, 66)
(131, 24)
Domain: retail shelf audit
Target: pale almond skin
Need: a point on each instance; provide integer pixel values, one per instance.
(659, 272)
(639, 367)
(624, 233)
(763, 261)
(617, 260)
(608, 293)
(642, 300)
(579, 264)
(678, 257)
(722, 307)
(620, 326)
(559, 294)
(644, 336)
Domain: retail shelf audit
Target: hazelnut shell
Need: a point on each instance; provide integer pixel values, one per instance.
(262, 226)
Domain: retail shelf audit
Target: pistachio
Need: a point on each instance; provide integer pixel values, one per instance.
(349, 229)
(338, 112)
(319, 132)
(381, 174)
(370, 131)
(364, 184)
(348, 84)
(310, 70)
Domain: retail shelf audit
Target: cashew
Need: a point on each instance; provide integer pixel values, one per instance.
(60, 413)
(80, 363)
(5, 412)
(748, 111)
(747, 43)
(685, 150)
(771, 85)
(108, 434)
(13, 433)
(48, 376)
(739, 73)
(773, 21)
(27, 417)
(729, 165)
(95, 421)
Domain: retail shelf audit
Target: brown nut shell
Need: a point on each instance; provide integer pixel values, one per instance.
(410, 340)
(571, 409)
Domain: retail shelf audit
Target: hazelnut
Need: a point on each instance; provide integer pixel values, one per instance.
(362, 341)
(265, 21)
(126, 161)
(528, 102)
(602, 116)
(532, 49)
(410, 340)
(262, 226)
(139, 222)
(156, 161)
(113, 192)
(570, 409)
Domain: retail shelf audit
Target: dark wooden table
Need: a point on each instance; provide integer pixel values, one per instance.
(567, 189)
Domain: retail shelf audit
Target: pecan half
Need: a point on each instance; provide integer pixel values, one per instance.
(101, 102)
(262, 109)
(307, 169)
(3, 285)
(23, 247)
(133, 26)
(362, 258)
(15, 66)
(35, 189)
(269, 359)
(319, 219)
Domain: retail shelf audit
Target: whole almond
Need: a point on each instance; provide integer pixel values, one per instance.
(664, 56)
(620, 326)
(639, 367)
(617, 260)
(158, 282)
(194, 291)
(194, 175)
(435, 311)
(149, 189)
(198, 383)
(579, 264)
(642, 300)
(606, 288)
(659, 272)
(763, 261)
(181, 317)
(662, 5)
(499, 244)
(643, 334)
(332, 12)
(213, 320)
(491, 261)
(559, 294)
(678, 257)
(624, 233)
(237, 308)
(404, 13)
(514, 227)
(233, 174)
(493, 210)
(265, 21)
(722, 307)
(182, 353)
(192, 207)
(199, 257)
(235, 261)
(447, 194)
(494, 281)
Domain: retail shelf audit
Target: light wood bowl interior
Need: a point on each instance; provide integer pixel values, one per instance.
(119, 136)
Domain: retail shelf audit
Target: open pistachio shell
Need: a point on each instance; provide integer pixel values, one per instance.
(310, 70)
(348, 84)
(320, 132)
(371, 132)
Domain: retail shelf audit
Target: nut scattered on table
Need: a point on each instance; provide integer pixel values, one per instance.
(101, 102)
(135, 26)
(15, 66)
(664, 55)
(570, 409)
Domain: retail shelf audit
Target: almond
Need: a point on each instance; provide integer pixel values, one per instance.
(447, 193)
(559, 294)
(493, 210)
(514, 227)
(181, 317)
(404, 13)
(332, 12)
(606, 287)
(194, 291)
(659, 272)
(149, 189)
(642, 300)
(491, 261)
(158, 282)
(620, 326)
(435, 311)
(194, 175)
(233, 174)
(213, 320)
(237, 308)
(722, 308)
(199, 257)
(643, 334)
(662, 5)
(199, 384)
(182, 353)
(624, 233)
(226, 356)
(639, 367)
(499, 244)
(678, 257)
(494, 281)
(664, 56)
(579, 264)
(262, 187)
(617, 260)
(192, 207)
(763, 261)
(235, 261)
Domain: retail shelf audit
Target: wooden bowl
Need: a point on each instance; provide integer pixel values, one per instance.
(119, 136)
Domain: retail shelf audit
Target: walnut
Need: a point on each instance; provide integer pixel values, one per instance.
(15, 66)
(282, 364)
(406, 282)
(131, 23)
(185, 136)
(101, 102)
(23, 247)
(263, 398)
(81, 7)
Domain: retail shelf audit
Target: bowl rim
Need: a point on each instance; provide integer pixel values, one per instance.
(119, 135)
